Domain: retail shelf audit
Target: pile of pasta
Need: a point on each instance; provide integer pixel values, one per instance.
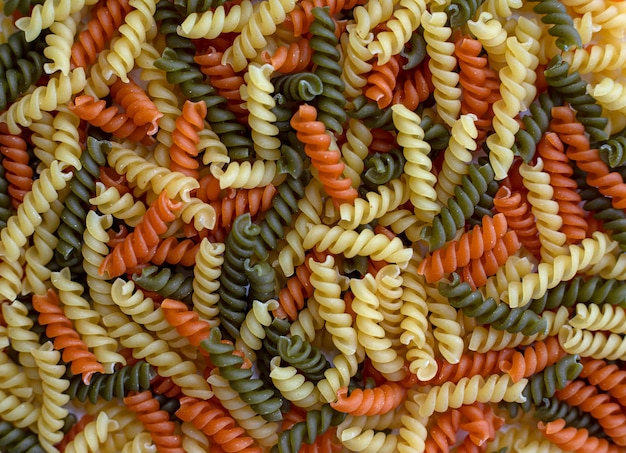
(312, 226)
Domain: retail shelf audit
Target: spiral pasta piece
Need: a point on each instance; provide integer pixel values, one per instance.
(468, 391)
(605, 376)
(382, 81)
(140, 245)
(105, 20)
(15, 162)
(327, 161)
(139, 107)
(608, 318)
(65, 337)
(155, 421)
(210, 24)
(185, 139)
(573, 439)
(94, 435)
(376, 401)
(261, 23)
(599, 405)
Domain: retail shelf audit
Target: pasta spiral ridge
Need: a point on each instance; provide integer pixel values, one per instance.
(375, 401)
(442, 63)
(147, 174)
(59, 327)
(213, 421)
(138, 24)
(382, 82)
(607, 377)
(253, 391)
(261, 23)
(140, 245)
(472, 245)
(500, 316)
(118, 384)
(574, 91)
(155, 420)
(326, 160)
(94, 435)
(186, 322)
(18, 439)
(562, 28)
(185, 139)
(468, 391)
(534, 359)
(109, 119)
(608, 318)
(519, 217)
(600, 405)
(166, 282)
(210, 24)
(535, 125)
(15, 162)
(459, 208)
(552, 408)
(597, 58)
(137, 104)
(206, 280)
(22, 225)
(418, 165)
(573, 439)
(317, 423)
(105, 20)
(83, 187)
(597, 345)
(301, 355)
(461, 11)
(240, 245)
(123, 207)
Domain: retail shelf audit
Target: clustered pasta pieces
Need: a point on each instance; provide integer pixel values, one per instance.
(312, 226)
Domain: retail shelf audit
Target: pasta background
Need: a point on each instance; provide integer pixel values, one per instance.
(284, 226)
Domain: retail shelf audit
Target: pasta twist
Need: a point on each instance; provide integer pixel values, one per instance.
(246, 175)
(206, 281)
(548, 275)
(157, 353)
(109, 120)
(592, 317)
(145, 174)
(261, 23)
(418, 165)
(317, 422)
(610, 184)
(441, 64)
(574, 92)
(293, 58)
(599, 405)
(13, 438)
(262, 431)
(405, 21)
(468, 391)
(367, 441)
(156, 422)
(140, 245)
(100, 29)
(253, 391)
(45, 98)
(294, 386)
(326, 160)
(210, 24)
(50, 421)
(388, 198)
(259, 102)
(606, 376)
(95, 434)
(118, 384)
(562, 24)
(573, 439)
(534, 359)
(15, 162)
(123, 207)
(139, 107)
(375, 401)
(457, 157)
(606, 57)
(413, 432)
(327, 292)
(301, 355)
(185, 139)
(138, 27)
(186, 322)
(65, 337)
(44, 15)
(597, 345)
(166, 283)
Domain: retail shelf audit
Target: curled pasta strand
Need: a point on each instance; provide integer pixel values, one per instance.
(185, 139)
(106, 19)
(290, 59)
(574, 439)
(471, 246)
(376, 401)
(44, 15)
(608, 318)
(469, 365)
(608, 377)
(210, 24)
(186, 322)
(157, 422)
(534, 359)
(382, 81)
(109, 119)
(139, 107)
(140, 245)
(519, 217)
(65, 337)
(597, 345)
(327, 161)
(15, 162)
